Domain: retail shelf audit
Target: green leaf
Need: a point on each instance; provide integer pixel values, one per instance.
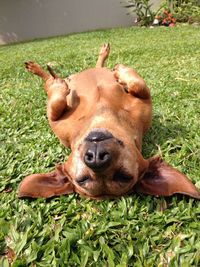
(4, 262)
(21, 243)
(109, 253)
(84, 259)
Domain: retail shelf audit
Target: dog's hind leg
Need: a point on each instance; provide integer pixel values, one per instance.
(37, 70)
(56, 88)
(103, 55)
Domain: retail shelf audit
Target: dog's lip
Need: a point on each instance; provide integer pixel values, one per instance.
(105, 195)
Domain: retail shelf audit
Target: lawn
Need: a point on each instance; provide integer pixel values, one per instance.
(135, 230)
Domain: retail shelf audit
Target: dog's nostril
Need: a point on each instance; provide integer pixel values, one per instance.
(89, 156)
(103, 159)
(103, 156)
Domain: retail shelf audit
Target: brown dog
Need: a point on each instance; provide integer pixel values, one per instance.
(102, 116)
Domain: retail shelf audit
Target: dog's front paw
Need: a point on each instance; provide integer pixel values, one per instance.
(57, 84)
(120, 68)
(120, 73)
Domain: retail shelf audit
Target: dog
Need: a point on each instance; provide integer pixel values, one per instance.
(102, 116)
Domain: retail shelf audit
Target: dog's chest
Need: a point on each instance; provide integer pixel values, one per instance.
(92, 86)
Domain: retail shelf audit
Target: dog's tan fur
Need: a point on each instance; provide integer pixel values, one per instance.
(117, 102)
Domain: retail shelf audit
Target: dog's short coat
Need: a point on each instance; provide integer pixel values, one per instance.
(102, 115)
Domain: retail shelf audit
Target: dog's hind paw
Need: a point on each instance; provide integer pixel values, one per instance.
(36, 69)
(33, 67)
(104, 51)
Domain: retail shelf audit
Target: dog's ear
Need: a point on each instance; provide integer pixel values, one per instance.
(46, 185)
(163, 180)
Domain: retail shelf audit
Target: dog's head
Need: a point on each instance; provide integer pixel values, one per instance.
(103, 165)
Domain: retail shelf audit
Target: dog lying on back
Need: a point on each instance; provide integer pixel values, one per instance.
(102, 115)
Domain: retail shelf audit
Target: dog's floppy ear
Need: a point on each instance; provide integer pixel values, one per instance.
(46, 185)
(163, 180)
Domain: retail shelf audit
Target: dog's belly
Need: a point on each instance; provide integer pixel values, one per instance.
(97, 100)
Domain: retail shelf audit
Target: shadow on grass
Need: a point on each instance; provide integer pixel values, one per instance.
(159, 134)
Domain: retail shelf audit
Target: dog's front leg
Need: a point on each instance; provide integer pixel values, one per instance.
(56, 88)
(57, 91)
(130, 79)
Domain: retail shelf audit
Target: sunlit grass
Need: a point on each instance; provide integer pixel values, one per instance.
(72, 231)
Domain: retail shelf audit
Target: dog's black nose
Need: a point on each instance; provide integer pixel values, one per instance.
(97, 157)
(98, 135)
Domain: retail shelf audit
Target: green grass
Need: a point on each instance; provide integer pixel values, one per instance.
(135, 230)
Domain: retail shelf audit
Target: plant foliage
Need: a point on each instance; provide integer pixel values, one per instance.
(184, 10)
(142, 9)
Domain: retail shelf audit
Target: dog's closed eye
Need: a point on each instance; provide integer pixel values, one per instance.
(122, 176)
(82, 180)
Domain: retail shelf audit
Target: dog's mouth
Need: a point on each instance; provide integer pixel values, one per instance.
(96, 193)
(119, 176)
(101, 186)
